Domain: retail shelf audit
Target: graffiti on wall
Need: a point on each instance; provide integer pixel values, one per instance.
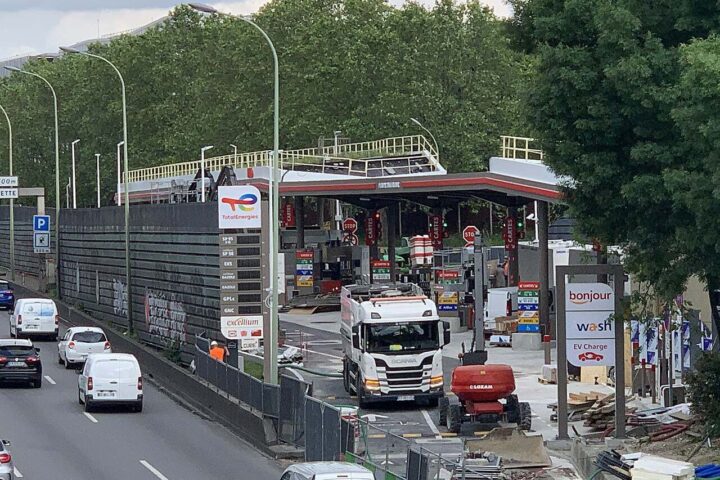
(119, 298)
(165, 318)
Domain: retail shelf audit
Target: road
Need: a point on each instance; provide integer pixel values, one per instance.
(53, 438)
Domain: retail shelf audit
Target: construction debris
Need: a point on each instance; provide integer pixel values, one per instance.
(516, 449)
(601, 416)
(650, 467)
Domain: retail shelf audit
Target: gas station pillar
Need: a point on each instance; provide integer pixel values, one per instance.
(542, 219)
(512, 247)
(392, 218)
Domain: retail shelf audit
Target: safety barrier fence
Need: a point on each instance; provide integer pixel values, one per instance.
(328, 432)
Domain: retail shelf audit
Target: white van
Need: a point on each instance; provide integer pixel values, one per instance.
(111, 379)
(34, 316)
(327, 471)
(501, 302)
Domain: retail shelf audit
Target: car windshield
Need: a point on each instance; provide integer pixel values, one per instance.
(16, 350)
(39, 309)
(89, 337)
(402, 337)
(4, 287)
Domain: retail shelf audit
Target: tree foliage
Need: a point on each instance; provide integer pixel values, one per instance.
(360, 66)
(614, 100)
(704, 385)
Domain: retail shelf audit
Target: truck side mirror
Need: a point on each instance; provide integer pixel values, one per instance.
(356, 337)
(446, 332)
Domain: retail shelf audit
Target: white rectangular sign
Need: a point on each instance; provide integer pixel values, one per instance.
(584, 325)
(591, 352)
(242, 326)
(41, 242)
(8, 193)
(589, 297)
(239, 207)
(9, 182)
(249, 343)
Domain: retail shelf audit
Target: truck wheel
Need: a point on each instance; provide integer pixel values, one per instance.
(454, 418)
(346, 377)
(512, 409)
(443, 405)
(525, 422)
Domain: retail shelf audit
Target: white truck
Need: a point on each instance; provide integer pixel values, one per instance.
(392, 340)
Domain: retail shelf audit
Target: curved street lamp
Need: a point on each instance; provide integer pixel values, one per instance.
(437, 149)
(57, 174)
(12, 202)
(271, 355)
(131, 326)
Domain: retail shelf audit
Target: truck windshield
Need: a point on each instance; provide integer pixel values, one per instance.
(402, 337)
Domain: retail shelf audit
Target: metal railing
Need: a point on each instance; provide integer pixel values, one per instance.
(361, 159)
(519, 148)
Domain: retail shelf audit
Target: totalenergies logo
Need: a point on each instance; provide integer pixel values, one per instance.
(581, 298)
(246, 202)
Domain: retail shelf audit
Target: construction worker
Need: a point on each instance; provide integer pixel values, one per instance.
(217, 352)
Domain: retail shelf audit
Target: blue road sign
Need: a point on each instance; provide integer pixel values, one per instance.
(41, 223)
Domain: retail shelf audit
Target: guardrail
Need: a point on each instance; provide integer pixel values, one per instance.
(358, 159)
(519, 148)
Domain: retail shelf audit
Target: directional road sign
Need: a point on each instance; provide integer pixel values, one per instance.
(8, 182)
(8, 193)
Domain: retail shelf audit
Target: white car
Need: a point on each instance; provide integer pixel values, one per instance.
(327, 471)
(79, 342)
(111, 379)
(34, 316)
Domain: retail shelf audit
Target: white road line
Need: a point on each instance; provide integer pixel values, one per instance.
(17, 473)
(90, 417)
(431, 424)
(49, 379)
(153, 470)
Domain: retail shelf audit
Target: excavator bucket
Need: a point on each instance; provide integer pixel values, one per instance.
(516, 449)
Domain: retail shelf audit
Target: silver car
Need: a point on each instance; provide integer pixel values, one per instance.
(327, 471)
(7, 469)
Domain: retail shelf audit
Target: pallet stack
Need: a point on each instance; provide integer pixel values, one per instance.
(601, 415)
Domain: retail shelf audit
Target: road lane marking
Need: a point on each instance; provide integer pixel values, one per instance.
(90, 417)
(153, 470)
(17, 473)
(431, 424)
(49, 379)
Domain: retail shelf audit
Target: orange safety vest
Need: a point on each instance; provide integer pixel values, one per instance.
(218, 353)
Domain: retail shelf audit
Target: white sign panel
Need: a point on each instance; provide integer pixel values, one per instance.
(9, 182)
(41, 242)
(590, 325)
(239, 207)
(8, 193)
(591, 352)
(589, 308)
(242, 326)
(589, 297)
(249, 343)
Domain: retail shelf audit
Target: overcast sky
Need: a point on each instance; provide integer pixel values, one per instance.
(41, 26)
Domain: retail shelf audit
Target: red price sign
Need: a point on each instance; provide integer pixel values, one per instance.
(371, 232)
(436, 231)
(509, 233)
(288, 215)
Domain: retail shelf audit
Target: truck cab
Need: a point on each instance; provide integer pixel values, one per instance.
(392, 341)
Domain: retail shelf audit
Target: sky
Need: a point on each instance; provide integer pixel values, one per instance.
(41, 26)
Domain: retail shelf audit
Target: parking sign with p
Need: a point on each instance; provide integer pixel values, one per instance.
(41, 223)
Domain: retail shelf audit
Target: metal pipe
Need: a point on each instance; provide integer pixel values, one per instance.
(74, 182)
(119, 180)
(202, 170)
(97, 162)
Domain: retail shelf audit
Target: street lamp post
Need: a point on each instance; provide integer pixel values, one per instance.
(119, 180)
(12, 202)
(202, 169)
(234, 154)
(97, 163)
(131, 326)
(271, 340)
(437, 149)
(74, 182)
(57, 175)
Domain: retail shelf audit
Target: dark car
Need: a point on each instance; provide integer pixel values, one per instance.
(7, 296)
(20, 362)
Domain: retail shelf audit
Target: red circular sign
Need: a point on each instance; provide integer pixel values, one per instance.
(469, 233)
(350, 225)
